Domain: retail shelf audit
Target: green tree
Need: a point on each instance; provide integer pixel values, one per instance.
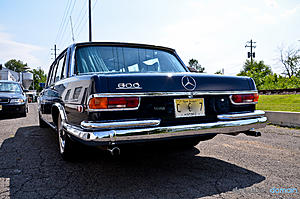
(16, 65)
(193, 63)
(219, 72)
(39, 76)
(256, 70)
(279, 82)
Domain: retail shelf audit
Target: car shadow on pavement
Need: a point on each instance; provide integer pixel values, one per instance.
(10, 116)
(32, 168)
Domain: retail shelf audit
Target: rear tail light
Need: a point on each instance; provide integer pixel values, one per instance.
(114, 103)
(244, 98)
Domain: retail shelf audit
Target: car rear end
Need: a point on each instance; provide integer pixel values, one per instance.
(167, 111)
(141, 93)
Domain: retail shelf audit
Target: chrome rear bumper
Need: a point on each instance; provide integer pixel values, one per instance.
(145, 130)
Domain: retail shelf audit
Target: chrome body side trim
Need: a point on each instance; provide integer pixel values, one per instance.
(120, 124)
(109, 137)
(235, 116)
(151, 94)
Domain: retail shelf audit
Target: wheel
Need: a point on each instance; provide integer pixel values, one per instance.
(42, 123)
(66, 145)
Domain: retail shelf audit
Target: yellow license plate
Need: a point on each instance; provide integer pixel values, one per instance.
(0, 107)
(193, 107)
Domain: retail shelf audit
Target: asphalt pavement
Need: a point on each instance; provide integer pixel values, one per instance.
(224, 167)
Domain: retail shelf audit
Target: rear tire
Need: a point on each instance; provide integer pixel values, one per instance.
(66, 145)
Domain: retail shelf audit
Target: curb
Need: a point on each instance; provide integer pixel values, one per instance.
(281, 118)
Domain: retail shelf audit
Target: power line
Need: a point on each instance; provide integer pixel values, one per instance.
(67, 23)
(63, 19)
(78, 28)
(82, 8)
(79, 25)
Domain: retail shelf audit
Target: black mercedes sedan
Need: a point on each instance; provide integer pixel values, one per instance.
(111, 94)
(12, 99)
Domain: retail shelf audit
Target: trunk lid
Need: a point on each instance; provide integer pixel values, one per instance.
(176, 82)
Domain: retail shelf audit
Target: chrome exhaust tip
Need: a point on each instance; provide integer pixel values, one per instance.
(253, 133)
(114, 151)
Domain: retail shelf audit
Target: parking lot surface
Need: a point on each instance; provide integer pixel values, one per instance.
(224, 167)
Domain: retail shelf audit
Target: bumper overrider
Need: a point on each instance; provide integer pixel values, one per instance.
(119, 132)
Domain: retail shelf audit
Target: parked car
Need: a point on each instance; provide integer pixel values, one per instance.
(12, 98)
(111, 94)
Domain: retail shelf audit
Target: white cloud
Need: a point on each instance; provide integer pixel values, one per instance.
(10, 49)
(266, 19)
(290, 12)
(271, 3)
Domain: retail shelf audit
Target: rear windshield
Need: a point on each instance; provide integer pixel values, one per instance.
(110, 59)
(10, 87)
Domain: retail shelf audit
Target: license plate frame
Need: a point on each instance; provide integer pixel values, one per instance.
(189, 107)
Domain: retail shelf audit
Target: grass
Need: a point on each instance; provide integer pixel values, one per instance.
(290, 103)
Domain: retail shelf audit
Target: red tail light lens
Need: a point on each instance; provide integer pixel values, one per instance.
(114, 102)
(123, 102)
(245, 98)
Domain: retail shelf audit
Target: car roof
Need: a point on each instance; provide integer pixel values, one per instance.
(123, 44)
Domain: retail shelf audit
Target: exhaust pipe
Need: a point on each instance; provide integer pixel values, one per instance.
(114, 151)
(253, 133)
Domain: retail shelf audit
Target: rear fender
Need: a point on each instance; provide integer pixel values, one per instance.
(57, 108)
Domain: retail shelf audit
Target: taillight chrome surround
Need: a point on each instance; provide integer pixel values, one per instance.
(112, 103)
(243, 99)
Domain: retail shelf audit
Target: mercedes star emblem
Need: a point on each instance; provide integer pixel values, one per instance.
(188, 83)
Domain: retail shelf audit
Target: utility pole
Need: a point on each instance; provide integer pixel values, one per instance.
(90, 22)
(55, 49)
(251, 54)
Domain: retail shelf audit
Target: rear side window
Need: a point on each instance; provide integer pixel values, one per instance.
(52, 73)
(59, 70)
(67, 95)
(76, 93)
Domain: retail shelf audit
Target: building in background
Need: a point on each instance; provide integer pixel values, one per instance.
(26, 78)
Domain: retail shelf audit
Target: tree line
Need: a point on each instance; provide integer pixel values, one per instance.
(263, 75)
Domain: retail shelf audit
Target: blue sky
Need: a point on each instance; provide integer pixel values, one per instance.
(214, 32)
